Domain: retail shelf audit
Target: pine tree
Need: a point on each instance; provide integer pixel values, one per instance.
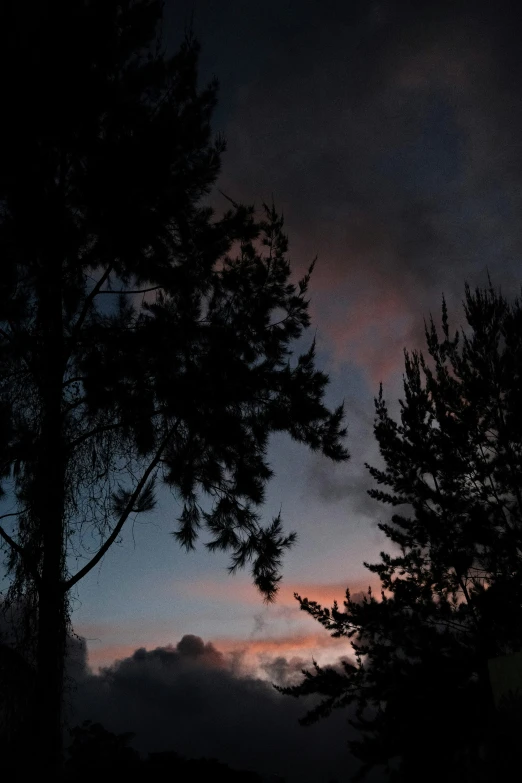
(142, 339)
(451, 583)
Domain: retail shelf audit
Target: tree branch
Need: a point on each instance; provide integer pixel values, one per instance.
(12, 543)
(12, 339)
(95, 431)
(107, 428)
(140, 291)
(123, 518)
(74, 405)
(75, 379)
(234, 203)
(19, 549)
(86, 306)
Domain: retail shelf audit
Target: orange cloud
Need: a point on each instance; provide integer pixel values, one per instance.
(283, 645)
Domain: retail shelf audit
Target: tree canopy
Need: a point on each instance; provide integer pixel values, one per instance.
(142, 338)
(451, 582)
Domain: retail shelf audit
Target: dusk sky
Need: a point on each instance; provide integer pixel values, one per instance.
(388, 133)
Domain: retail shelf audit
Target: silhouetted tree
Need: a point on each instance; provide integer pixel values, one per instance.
(95, 752)
(451, 583)
(141, 338)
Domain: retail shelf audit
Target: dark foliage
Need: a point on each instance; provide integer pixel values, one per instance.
(96, 753)
(142, 339)
(451, 583)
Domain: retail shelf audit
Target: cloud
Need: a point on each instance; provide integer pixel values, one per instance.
(193, 699)
(277, 630)
(254, 653)
(333, 483)
(393, 152)
(285, 671)
(232, 591)
(264, 631)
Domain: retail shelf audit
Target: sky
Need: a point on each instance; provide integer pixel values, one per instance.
(388, 133)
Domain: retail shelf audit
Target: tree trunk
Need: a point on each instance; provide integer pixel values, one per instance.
(48, 508)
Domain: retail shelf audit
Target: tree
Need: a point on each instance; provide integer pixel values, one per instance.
(141, 338)
(451, 585)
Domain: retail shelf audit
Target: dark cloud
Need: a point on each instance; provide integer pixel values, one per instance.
(191, 699)
(389, 134)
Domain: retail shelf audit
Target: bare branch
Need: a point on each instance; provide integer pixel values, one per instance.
(12, 338)
(123, 518)
(140, 291)
(11, 514)
(19, 549)
(96, 431)
(74, 405)
(234, 203)
(87, 305)
(106, 427)
(12, 543)
(75, 379)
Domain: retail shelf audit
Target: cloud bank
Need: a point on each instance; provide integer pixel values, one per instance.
(199, 702)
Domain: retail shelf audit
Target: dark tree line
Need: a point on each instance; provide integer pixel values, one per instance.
(95, 753)
(143, 339)
(451, 581)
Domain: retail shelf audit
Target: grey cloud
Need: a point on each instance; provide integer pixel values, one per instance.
(348, 483)
(283, 671)
(332, 485)
(191, 699)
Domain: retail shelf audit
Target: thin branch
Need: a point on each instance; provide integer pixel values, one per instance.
(12, 543)
(123, 518)
(107, 428)
(19, 549)
(140, 291)
(234, 203)
(75, 379)
(87, 304)
(11, 514)
(96, 431)
(74, 405)
(11, 338)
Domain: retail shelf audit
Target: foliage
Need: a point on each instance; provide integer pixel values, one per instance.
(96, 752)
(451, 584)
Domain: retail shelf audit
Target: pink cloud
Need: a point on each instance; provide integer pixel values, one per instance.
(372, 333)
(232, 591)
(253, 655)
(288, 632)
